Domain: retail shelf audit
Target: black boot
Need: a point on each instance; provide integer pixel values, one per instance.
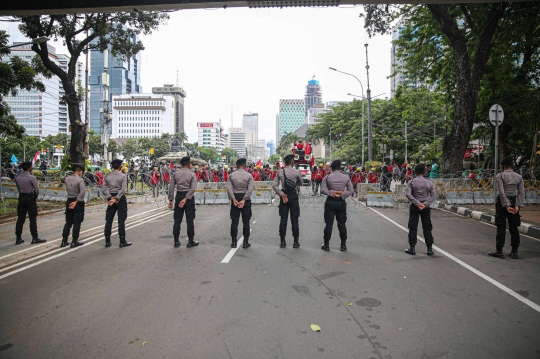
(234, 242)
(296, 244)
(497, 254)
(514, 253)
(411, 251)
(283, 244)
(429, 250)
(37, 240)
(19, 240)
(192, 243)
(343, 247)
(108, 241)
(64, 243)
(123, 242)
(326, 245)
(176, 241)
(76, 243)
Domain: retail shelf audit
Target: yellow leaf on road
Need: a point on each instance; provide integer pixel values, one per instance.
(315, 328)
(144, 343)
(349, 304)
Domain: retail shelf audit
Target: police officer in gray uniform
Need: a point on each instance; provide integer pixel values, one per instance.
(510, 200)
(337, 186)
(288, 201)
(113, 189)
(28, 188)
(421, 193)
(184, 182)
(74, 206)
(240, 188)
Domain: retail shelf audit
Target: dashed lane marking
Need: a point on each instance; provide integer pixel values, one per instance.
(233, 250)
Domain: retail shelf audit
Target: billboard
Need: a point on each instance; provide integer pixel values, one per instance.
(206, 125)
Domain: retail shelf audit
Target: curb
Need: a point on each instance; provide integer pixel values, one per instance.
(525, 228)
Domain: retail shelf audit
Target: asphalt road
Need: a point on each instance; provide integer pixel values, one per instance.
(374, 301)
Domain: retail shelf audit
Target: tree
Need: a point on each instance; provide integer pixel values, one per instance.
(105, 30)
(452, 46)
(15, 74)
(208, 154)
(131, 149)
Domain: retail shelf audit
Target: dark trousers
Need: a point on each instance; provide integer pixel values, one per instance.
(189, 210)
(316, 186)
(335, 208)
(74, 217)
(514, 221)
(427, 226)
(27, 204)
(122, 209)
(235, 216)
(293, 207)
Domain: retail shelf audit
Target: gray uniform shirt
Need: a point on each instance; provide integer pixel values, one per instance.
(183, 180)
(115, 182)
(421, 190)
(510, 183)
(292, 173)
(240, 182)
(337, 181)
(26, 182)
(75, 187)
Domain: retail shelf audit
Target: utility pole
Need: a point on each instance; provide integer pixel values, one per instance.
(434, 129)
(370, 134)
(383, 148)
(406, 142)
(105, 116)
(86, 110)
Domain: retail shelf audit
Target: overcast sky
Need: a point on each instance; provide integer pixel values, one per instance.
(251, 58)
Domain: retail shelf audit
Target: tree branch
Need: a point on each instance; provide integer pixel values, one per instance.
(448, 25)
(463, 8)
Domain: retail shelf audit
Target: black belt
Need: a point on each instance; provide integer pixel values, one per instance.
(334, 199)
(27, 194)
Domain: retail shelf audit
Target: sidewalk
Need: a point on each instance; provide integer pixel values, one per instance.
(530, 215)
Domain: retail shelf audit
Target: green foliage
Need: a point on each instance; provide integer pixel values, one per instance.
(209, 154)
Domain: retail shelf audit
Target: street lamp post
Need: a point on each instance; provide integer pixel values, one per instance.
(330, 138)
(370, 133)
(362, 86)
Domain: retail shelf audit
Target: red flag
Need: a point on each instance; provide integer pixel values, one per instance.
(259, 163)
(312, 161)
(36, 158)
(308, 148)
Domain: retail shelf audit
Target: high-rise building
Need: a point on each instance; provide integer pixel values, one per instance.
(237, 141)
(124, 77)
(250, 125)
(291, 116)
(38, 112)
(277, 130)
(271, 147)
(211, 135)
(142, 115)
(313, 95)
(178, 95)
(314, 112)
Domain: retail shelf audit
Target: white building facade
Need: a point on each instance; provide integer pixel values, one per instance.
(250, 125)
(237, 141)
(210, 134)
(142, 115)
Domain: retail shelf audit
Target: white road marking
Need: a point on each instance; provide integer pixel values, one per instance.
(472, 269)
(232, 251)
(58, 239)
(254, 222)
(144, 221)
(66, 248)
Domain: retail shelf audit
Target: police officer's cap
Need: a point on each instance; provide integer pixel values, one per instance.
(507, 162)
(77, 167)
(116, 162)
(420, 168)
(288, 158)
(184, 161)
(241, 162)
(336, 163)
(26, 165)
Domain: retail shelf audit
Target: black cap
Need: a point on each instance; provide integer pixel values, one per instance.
(184, 161)
(288, 158)
(336, 163)
(26, 165)
(241, 162)
(78, 167)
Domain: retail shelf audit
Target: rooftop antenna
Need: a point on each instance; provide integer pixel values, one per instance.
(177, 79)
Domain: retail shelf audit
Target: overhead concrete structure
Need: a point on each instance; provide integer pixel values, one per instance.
(84, 6)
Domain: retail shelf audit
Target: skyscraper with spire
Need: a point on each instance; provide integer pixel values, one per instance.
(313, 95)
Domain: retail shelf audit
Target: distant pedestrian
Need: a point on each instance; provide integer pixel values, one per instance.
(421, 193)
(434, 172)
(74, 206)
(28, 188)
(240, 188)
(114, 189)
(509, 201)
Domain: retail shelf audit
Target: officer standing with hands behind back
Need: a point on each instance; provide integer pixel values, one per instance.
(290, 178)
(113, 189)
(240, 188)
(510, 199)
(337, 186)
(184, 182)
(28, 188)
(74, 206)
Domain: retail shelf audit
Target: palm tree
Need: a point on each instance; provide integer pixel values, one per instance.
(287, 141)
